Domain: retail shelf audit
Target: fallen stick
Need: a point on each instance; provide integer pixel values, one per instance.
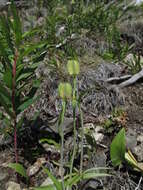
(118, 79)
(132, 80)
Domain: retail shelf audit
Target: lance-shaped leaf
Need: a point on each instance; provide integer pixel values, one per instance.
(118, 148)
(16, 24)
(19, 169)
(56, 182)
(26, 104)
(7, 78)
(5, 30)
(48, 187)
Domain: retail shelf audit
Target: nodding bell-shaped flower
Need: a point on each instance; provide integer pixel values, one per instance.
(65, 91)
(73, 67)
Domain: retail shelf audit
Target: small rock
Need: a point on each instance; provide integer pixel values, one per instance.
(100, 159)
(12, 186)
(93, 184)
(138, 151)
(97, 134)
(131, 139)
(3, 176)
(140, 138)
(137, 143)
(53, 127)
(32, 170)
(48, 181)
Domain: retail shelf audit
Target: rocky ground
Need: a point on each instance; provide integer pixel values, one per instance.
(106, 110)
(100, 104)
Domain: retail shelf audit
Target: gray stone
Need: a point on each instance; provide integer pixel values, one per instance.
(98, 135)
(100, 159)
(131, 139)
(3, 176)
(47, 181)
(140, 138)
(12, 186)
(34, 169)
(93, 184)
(138, 151)
(67, 126)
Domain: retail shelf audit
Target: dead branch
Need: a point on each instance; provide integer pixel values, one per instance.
(117, 80)
(132, 80)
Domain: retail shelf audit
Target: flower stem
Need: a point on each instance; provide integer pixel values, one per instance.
(62, 142)
(82, 137)
(74, 145)
(74, 124)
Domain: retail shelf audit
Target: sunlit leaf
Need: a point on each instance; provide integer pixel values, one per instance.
(94, 175)
(18, 168)
(51, 142)
(24, 76)
(117, 149)
(49, 187)
(56, 182)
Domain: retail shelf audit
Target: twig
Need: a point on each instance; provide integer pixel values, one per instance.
(118, 79)
(138, 186)
(132, 80)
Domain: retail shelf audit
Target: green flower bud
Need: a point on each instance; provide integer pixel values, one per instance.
(73, 67)
(65, 91)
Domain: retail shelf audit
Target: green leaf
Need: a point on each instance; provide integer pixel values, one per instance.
(7, 78)
(19, 69)
(31, 32)
(130, 159)
(57, 184)
(51, 142)
(8, 109)
(4, 92)
(94, 175)
(20, 122)
(27, 103)
(5, 100)
(49, 187)
(30, 48)
(18, 168)
(95, 172)
(74, 180)
(98, 169)
(16, 24)
(5, 29)
(118, 147)
(24, 76)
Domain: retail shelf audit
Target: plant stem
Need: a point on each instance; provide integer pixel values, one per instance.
(82, 136)
(74, 126)
(74, 145)
(13, 104)
(62, 142)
